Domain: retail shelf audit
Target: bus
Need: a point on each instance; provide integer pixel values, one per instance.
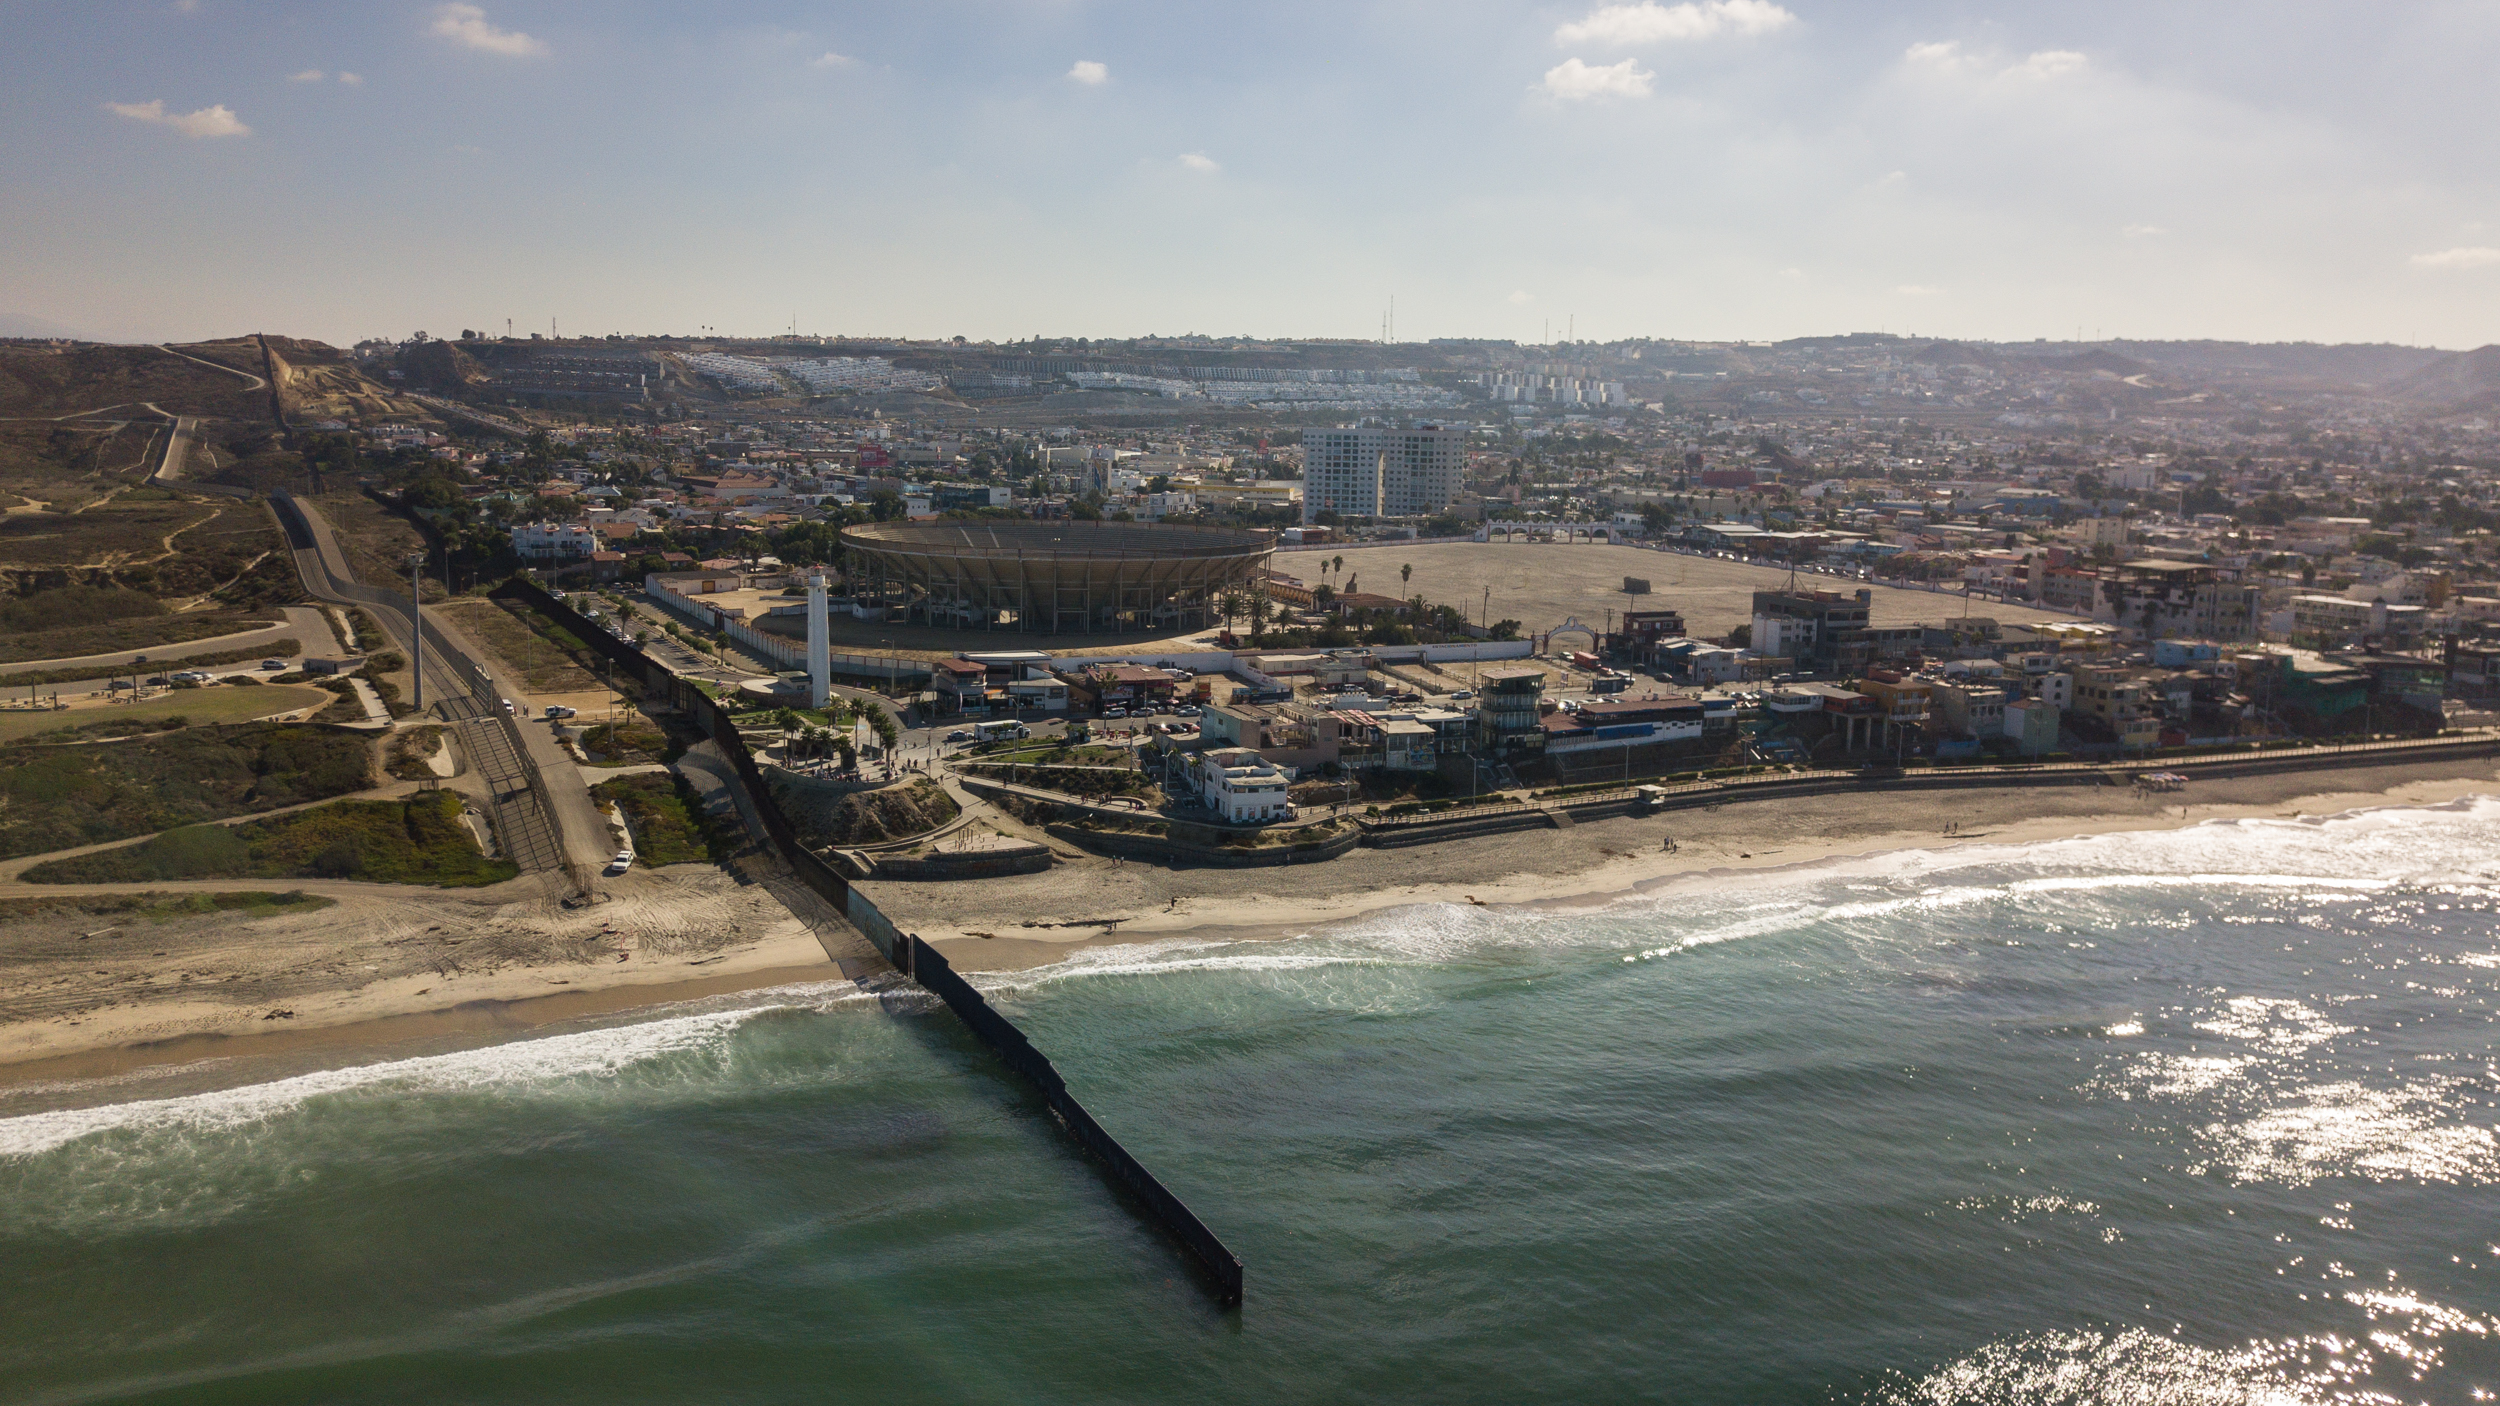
(1005, 728)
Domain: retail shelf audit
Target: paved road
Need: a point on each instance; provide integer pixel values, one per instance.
(543, 814)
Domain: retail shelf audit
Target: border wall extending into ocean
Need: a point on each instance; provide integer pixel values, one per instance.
(912, 957)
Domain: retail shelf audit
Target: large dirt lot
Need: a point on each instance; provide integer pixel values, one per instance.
(1541, 584)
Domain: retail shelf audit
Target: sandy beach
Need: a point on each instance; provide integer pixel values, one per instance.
(1089, 900)
(387, 966)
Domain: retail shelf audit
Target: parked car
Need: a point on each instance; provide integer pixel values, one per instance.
(507, 704)
(1464, 694)
(191, 676)
(961, 734)
(1187, 710)
(273, 664)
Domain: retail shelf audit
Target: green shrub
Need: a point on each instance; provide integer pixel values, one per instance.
(419, 840)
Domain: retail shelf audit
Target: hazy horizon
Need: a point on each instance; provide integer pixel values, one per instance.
(1715, 170)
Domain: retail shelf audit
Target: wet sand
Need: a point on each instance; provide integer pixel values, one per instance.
(549, 968)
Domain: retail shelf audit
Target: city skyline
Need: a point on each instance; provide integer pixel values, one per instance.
(1713, 170)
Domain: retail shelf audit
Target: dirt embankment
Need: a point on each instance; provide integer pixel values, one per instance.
(867, 817)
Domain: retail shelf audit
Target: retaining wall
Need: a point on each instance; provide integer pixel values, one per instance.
(1178, 854)
(974, 864)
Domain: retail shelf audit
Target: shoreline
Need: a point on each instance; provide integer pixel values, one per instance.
(1137, 904)
(1734, 843)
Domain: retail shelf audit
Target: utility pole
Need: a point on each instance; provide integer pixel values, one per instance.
(416, 625)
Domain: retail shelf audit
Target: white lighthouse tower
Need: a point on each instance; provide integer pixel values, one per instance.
(819, 644)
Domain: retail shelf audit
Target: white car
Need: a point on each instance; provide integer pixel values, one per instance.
(624, 860)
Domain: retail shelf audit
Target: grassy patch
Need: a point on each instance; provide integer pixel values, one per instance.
(60, 797)
(347, 706)
(73, 641)
(626, 744)
(166, 907)
(276, 649)
(506, 628)
(419, 840)
(409, 751)
(668, 822)
(375, 540)
(194, 706)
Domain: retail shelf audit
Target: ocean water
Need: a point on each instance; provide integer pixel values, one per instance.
(2205, 1116)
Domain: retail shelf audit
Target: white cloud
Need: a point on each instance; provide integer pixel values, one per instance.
(1574, 81)
(350, 79)
(186, 6)
(1648, 22)
(218, 121)
(2143, 231)
(1917, 290)
(2050, 63)
(467, 25)
(1948, 56)
(1792, 273)
(830, 59)
(2462, 258)
(1199, 161)
(1090, 73)
(310, 75)
(1521, 297)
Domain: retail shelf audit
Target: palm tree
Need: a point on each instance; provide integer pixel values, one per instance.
(1406, 573)
(1258, 618)
(1339, 563)
(1228, 605)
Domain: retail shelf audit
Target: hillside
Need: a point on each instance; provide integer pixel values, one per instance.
(2461, 380)
(316, 381)
(2351, 364)
(79, 378)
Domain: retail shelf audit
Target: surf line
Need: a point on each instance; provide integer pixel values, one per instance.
(915, 959)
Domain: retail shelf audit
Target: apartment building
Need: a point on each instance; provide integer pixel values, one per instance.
(1376, 471)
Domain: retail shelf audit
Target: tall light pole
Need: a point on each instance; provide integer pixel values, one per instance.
(416, 625)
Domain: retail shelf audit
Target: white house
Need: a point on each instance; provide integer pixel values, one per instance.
(1242, 786)
(549, 541)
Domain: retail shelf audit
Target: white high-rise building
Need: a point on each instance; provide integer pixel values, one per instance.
(1373, 471)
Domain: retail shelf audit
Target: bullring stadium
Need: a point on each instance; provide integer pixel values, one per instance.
(1054, 577)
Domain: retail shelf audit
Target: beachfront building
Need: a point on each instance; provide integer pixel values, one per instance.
(1240, 786)
(1810, 627)
(2032, 723)
(1507, 717)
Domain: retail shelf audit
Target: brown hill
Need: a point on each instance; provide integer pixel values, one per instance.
(68, 380)
(441, 367)
(317, 381)
(2460, 380)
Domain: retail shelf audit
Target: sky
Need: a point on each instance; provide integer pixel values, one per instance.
(1707, 169)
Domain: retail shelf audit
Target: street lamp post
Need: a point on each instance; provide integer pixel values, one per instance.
(416, 625)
